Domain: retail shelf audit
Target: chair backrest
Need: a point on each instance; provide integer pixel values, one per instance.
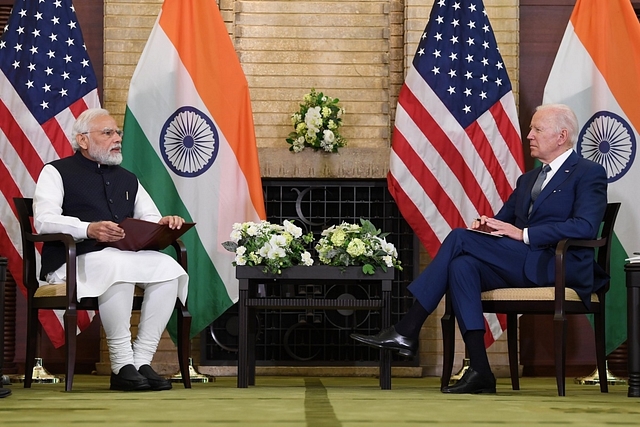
(604, 253)
(24, 207)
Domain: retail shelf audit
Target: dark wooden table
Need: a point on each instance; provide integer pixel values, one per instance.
(633, 327)
(251, 277)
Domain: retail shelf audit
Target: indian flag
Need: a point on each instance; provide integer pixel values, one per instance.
(596, 72)
(189, 137)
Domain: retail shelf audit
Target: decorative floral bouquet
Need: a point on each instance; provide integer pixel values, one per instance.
(316, 124)
(353, 244)
(273, 246)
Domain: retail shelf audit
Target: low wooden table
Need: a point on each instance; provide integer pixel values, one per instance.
(633, 327)
(251, 277)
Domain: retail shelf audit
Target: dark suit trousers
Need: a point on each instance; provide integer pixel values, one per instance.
(467, 264)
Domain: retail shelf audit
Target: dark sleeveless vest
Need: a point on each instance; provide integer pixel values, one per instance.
(92, 192)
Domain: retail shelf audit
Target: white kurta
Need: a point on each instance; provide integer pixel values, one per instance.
(97, 271)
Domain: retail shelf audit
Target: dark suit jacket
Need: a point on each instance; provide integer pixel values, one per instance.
(571, 205)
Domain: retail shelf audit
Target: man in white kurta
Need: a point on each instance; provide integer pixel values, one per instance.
(86, 196)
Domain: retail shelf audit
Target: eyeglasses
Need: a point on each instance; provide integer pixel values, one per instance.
(106, 132)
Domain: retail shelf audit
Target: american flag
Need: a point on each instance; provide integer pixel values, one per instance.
(456, 148)
(46, 81)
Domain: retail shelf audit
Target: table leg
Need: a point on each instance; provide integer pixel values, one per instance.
(251, 346)
(243, 338)
(385, 355)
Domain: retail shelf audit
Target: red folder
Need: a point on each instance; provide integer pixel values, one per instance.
(141, 235)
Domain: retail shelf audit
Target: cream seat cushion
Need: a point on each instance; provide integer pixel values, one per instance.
(60, 290)
(531, 294)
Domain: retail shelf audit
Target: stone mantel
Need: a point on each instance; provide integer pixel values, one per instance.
(349, 162)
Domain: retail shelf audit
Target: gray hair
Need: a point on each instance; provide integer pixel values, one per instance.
(83, 123)
(564, 119)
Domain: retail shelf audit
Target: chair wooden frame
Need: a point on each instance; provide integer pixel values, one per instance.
(69, 302)
(559, 301)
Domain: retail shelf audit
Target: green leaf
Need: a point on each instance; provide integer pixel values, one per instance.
(230, 246)
(368, 269)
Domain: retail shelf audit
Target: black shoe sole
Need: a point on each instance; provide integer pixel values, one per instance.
(160, 386)
(481, 391)
(403, 351)
(119, 387)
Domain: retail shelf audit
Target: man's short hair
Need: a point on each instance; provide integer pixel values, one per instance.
(83, 123)
(564, 118)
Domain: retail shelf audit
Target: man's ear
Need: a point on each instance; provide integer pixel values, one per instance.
(83, 141)
(562, 137)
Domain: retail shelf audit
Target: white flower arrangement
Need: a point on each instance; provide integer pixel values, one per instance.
(352, 244)
(317, 124)
(270, 245)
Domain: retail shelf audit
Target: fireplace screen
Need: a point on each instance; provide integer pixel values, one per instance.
(320, 337)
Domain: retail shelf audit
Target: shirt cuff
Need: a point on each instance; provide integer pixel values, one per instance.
(525, 235)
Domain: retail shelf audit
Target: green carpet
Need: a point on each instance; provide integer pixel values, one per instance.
(317, 402)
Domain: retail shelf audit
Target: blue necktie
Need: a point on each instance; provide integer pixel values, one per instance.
(537, 186)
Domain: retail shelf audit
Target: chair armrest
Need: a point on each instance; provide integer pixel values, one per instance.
(181, 253)
(561, 250)
(70, 249)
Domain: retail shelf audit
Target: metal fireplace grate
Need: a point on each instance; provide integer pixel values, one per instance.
(320, 337)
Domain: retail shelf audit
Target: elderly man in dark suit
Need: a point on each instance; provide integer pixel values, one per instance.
(565, 197)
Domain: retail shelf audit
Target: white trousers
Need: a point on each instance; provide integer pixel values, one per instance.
(115, 306)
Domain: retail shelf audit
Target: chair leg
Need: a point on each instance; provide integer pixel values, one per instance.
(601, 353)
(448, 323)
(512, 345)
(33, 328)
(184, 329)
(70, 326)
(560, 349)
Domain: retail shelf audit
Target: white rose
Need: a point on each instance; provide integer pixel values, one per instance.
(329, 137)
(306, 258)
(293, 229)
(388, 260)
(236, 235)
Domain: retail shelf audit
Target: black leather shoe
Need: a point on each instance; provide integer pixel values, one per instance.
(389, 339)
(4, 392)
(473, 382)
(128, 379)
(156, 382)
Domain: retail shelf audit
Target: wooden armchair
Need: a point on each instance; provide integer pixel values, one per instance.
(558, 301)
(63, 297)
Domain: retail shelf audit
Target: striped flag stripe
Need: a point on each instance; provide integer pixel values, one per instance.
(20, 142)
(498, 180)
(423, 181)
(27, 124)
(414, 210)
(457, 114)
(57, 138)
(35, 125)
(197, 62)
(179, 76)
(595, 72)
(444, 135)
(506, 120)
